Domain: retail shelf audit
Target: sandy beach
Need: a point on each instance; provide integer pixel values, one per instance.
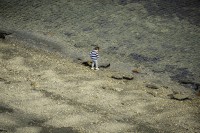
(148, 80)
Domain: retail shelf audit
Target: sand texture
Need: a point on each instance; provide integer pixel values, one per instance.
(149, 77)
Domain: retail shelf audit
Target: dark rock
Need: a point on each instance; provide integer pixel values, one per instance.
(152, 86)
(121, 76)
(3, 130)
(4, 109)
(128, 77)
(179, 97)
(3, 34)
(117, 76)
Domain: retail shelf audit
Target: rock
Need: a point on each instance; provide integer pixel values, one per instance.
(4, 109)
(136, 71)
(121, 76)
(152, 86)
(128, 77)
(3, 34)
(3, 130)
(117, 76)
(179, 97)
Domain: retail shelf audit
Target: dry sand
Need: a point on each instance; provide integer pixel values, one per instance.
(42, 92)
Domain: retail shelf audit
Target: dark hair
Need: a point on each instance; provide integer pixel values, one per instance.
(96, 48)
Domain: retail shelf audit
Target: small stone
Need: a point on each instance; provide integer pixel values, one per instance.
(136, 71)
(117, 76)
(152, 86)
(128, 77)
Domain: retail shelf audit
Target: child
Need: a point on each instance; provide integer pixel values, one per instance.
(94, 56)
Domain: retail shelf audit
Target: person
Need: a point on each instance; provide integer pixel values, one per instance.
(94, 56)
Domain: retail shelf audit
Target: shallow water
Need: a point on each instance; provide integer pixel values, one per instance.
(162, 37)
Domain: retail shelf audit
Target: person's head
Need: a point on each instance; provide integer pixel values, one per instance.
(96, 48)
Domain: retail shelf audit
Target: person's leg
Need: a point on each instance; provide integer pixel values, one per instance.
(96, 65)
(93, 63)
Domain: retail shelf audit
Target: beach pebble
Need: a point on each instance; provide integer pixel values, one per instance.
(128, 77)
(151, 86)
(136, 71)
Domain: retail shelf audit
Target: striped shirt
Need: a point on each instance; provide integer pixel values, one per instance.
(94, 55)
